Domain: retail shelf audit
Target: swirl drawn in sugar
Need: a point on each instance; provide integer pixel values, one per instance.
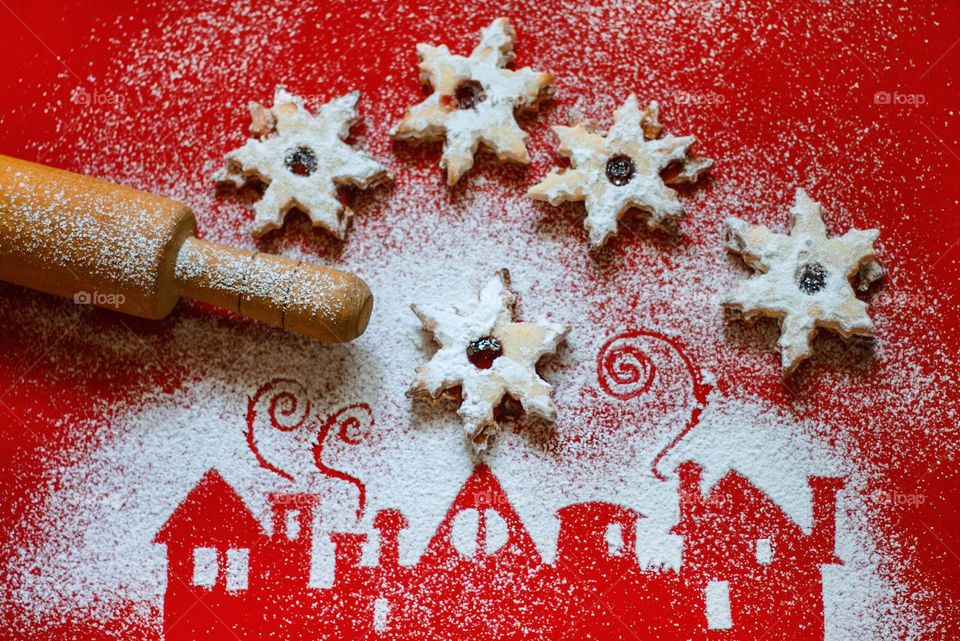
(354, 423)
(288, 410)
(626, 370)
(285, 411)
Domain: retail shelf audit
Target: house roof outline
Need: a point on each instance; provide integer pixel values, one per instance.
(212, 514)
(482, 491)
(735, 506)
(734, 480)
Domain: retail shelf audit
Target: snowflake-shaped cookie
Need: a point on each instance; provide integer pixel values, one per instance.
(804, 278)
(489, 355)
(474, 100)
(303, 159)
(621, 170)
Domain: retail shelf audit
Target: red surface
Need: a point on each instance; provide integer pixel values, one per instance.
(767, 83)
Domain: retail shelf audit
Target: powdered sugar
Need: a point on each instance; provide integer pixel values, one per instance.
(108, 506)
(303, 159)
(621, 170)
(804, 278)
(420, 243)
(487, 96)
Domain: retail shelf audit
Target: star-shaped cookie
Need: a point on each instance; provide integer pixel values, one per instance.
(303, 159)
(804, 278)
(474, 100)
(489, 355)
(621, 170)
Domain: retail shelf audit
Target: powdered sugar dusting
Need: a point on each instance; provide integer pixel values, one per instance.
(621, 170)
(420, 242)
(486, 96)
(303, 160)
(512, 348)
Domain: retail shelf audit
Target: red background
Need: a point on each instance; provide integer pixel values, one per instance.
(781, 66)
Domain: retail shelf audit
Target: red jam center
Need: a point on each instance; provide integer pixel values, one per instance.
(620, 170)
(469, 94)
(483, 351)
(301, 161)
(811, 278)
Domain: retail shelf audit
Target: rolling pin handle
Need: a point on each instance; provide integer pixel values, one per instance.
(321, 302)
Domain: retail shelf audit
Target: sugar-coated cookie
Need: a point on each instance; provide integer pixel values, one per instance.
(804, 278)
(302, 159)
(474, 101)
(621, 170)
(489, 355)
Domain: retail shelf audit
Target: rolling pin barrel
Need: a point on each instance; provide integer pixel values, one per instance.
(123, 249)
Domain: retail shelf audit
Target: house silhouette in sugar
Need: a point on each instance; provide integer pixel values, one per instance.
(747, 571)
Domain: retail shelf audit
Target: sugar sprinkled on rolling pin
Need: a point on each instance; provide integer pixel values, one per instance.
(123, 249)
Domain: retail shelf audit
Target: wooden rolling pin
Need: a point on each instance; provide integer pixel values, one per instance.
(120, 248)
